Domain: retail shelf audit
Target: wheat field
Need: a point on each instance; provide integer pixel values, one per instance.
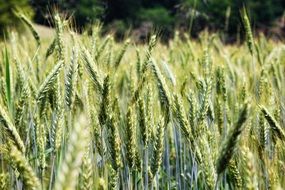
(86, 112)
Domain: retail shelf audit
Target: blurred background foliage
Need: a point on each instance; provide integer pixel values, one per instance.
(144, 15)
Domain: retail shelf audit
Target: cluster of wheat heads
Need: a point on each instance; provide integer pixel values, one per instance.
(85, 112)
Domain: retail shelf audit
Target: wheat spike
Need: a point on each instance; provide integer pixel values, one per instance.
(71, 78)
(207, 164)
(19, 162)
(87, 170)
(41, 140)
(192, 109)
(151, 45)
(158, 147)
(273, 123)
(4, 181)
(234, 174)
(51, 48)
(48, 82)
(113, 181)
(182, 119)
(31, 27)
(142, 121)
(221, 83)
(248, 32)
(249, 169)
(164, 96)
(92, 70)
(105, 101)
(22, 104)
(59, 37)
(205, 103)
(131, 137)
(229, 144)
(70, 167)
(11, 130)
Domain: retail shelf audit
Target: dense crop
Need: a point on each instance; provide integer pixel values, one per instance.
(85, 112)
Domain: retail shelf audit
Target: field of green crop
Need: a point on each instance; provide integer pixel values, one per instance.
(86, 112)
